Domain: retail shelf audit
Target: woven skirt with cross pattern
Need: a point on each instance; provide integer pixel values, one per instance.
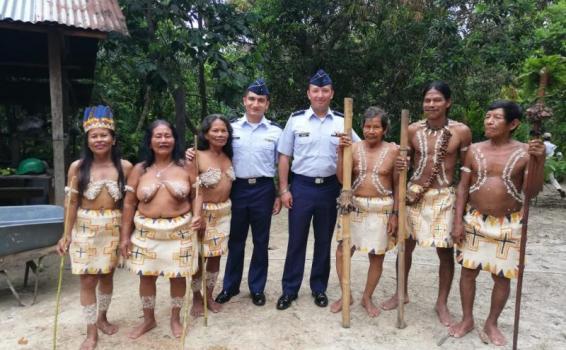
(95, 241)
(429, 221)
(368, 225)
(217, 217)
(492, 243)
(163, 247)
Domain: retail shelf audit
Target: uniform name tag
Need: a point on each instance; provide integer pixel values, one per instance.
(235, 137)
(303, 134)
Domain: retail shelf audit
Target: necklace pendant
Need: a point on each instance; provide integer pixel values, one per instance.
(158, 175)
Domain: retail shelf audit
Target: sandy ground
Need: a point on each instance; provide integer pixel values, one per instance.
(241, 325)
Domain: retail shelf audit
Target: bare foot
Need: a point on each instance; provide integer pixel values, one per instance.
(337, 305)
(372, 310)
(393, 302)
(197, 309)
(213, 305)
(89, 343)
(176, 327)
(106, 327)
(461, 328)
(143, 328)
(495, 335)
(444, 315)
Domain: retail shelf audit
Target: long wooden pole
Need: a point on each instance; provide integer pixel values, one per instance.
(402, 223)
(62, 262)
(346, 186)
(535, 132)
(56, 96)
(201, 250)
(189, 289)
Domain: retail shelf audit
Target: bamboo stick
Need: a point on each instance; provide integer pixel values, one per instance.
(346, 186)
(402, 232)
(62, 263)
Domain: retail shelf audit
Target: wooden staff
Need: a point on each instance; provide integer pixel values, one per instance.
(189, 289)
(402, 232)
(201, 250)
(345, 216)
(536, 114)
(62, 262)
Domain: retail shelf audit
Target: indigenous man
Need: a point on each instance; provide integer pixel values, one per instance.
(374, 219)
(487, 222)
(308, 138)
(435, 144)
(253, 194)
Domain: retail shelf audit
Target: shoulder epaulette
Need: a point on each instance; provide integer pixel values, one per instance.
(340, 114)
(274, 123)
(294, 114)
(234, 119)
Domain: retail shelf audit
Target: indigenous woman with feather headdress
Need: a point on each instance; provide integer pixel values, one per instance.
(94, 216)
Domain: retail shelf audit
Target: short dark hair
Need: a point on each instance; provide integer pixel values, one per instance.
(439, 86)
(248, 91)
(147, 154)
(376, 112)
(205, 126)
(511, 109)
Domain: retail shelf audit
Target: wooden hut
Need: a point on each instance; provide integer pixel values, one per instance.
(48, 55)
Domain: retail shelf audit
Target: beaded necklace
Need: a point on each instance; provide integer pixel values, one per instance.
(440, 150)
(374, 173)
(506, 175)
(482, 169)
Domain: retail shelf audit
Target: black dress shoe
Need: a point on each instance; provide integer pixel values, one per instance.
(320, 299)
(285, 301)
(224, 297)
(258, 299)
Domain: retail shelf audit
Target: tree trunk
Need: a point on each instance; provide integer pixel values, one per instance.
(180, 113)
(201, 79)
(145, 109)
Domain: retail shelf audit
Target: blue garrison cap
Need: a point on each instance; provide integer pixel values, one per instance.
(320, 78)
(259, 87)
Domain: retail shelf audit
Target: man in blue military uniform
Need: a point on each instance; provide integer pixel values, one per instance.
(310, 138)
(253, 194)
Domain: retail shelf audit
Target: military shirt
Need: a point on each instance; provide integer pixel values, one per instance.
(311, 142)
(255, 148)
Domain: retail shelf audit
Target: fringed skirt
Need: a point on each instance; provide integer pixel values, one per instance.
(163, 247)
(368, 225)
(95, 241)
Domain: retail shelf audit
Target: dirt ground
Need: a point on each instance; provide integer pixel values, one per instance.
(241, 325)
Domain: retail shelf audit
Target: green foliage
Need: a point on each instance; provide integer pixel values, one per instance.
(558, 167)
(378, 52)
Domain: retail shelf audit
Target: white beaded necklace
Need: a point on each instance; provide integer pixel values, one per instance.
(506, 175)
(423, 148)
(482, 169)
(374, 174)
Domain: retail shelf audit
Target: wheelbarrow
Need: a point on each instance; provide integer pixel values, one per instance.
(28, 234)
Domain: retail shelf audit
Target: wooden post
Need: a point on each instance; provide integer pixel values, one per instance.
(346, 186)
(402, 232)
(56, 92)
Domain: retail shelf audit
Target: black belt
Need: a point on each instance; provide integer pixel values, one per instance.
(316, 180)
(254, 180)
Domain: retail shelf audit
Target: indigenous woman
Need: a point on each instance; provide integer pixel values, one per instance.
(213, 162)
(96, 187)
(373, 222)
(163, 242)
